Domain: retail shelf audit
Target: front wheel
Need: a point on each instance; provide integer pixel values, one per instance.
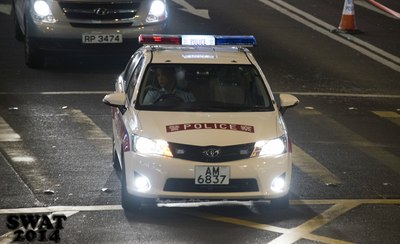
(17, 29)
(34, 58)
(280, 203)
(130, 203)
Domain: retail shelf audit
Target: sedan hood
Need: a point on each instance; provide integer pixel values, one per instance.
(204, 129)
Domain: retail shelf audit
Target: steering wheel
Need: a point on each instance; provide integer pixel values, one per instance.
(169, 97)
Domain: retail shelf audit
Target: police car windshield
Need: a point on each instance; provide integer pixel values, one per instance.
(200, 87)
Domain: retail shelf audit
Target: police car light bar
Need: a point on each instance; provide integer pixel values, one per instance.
(197, 40)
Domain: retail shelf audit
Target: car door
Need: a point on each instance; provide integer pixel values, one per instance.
(119, 125)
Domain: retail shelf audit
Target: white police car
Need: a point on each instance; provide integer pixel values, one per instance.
(195, 119)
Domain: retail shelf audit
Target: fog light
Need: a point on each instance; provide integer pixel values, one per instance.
(278, 184)
(141, 183)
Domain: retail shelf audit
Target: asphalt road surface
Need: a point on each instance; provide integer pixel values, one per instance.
(55, 133)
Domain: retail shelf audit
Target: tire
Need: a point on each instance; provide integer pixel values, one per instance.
(116, 163)
(34, 58)
(280, 203)
(130, 204)
(17, 29)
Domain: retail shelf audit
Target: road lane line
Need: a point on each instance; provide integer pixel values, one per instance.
(386, 9)
(5, 9)
(389, 115)
(309, 226)
(28, 166)
(340, 207)
(118, 207)
(20, 180)
(57, 93)
(366, 5)
(291, 92)
(365, 48)
(93, 133)
(313, 168)
(235, 221)
(339, 94)
(310, 165)
(61, 209)
(344, 134)
(329, 28)
(7, 133)
(344, 201)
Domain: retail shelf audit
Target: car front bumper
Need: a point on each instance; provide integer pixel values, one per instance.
(62, 37)
(172, 178)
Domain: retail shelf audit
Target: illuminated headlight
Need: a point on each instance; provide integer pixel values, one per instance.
(273, 147)
(278, 183)
(42, 12)
(141, 183)
(145, 145)
(157, 12)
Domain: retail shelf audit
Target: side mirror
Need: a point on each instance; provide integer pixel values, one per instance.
(287, 101)
(115, 99)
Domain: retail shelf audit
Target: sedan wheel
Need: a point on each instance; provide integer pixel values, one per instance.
(33, 57)
(130, 204)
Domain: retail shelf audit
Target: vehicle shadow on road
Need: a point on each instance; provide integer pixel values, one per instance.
(86, 64)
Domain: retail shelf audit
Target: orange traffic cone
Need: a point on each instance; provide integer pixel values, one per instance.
(348, 20)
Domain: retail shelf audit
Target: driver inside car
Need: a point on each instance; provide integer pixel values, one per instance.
(168, 88)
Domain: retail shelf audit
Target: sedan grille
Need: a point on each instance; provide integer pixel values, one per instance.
(100, 12)
(188, 185)
(211, 154)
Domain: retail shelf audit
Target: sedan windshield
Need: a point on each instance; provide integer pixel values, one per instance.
(199, 87)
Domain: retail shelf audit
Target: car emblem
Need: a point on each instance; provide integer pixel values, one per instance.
(212, 152)
(101, 11)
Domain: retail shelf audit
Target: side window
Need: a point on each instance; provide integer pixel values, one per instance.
(130, 67)
(134, 78)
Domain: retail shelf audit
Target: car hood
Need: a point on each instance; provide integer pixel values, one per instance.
(204, 129)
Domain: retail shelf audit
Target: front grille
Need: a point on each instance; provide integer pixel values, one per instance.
(102, 26)
(99, 11)
(204, 153)
(188, 185)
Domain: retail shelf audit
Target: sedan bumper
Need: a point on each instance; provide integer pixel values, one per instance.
(170, 178)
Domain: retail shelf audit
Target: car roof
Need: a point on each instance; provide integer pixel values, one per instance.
(199, 55)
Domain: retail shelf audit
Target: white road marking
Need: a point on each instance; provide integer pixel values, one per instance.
(203, 13)
(291, 92)
(57, 93)
(303, 231)
(97, 136)
(5, 9)
(343, 134)
(29, 164)
(340, 94)
(7, 133)
(389, 115)
(313, 168)
(19, 179)
(61, 209)
(365, 48)
(366, 5)
(13, 148)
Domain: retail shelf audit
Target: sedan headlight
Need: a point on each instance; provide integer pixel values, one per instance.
(157, 12)
(272, 147)
(145, 145)
(42, 12)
